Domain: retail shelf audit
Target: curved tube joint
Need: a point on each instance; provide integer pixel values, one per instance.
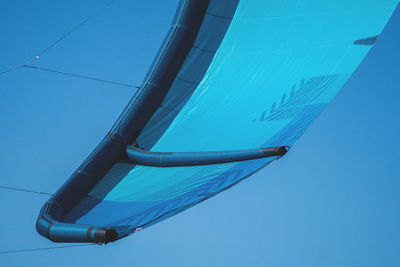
(178, 159)
(57, 231)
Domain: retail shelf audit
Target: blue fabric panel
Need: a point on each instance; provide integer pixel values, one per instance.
(279, 64)
(223, 8)
(131, 215)
(211, 33)
(210, 36)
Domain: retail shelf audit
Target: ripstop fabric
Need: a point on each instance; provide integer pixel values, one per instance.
(257, 75)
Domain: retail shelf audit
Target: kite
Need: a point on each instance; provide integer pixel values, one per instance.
(234, 85)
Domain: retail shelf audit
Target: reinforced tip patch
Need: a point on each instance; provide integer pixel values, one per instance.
(366, 41)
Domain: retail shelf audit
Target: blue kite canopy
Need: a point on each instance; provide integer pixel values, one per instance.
(235, 83)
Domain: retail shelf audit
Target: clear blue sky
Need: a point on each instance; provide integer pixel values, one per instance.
(332, 201)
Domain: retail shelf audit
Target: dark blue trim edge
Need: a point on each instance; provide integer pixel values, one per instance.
(180, 39)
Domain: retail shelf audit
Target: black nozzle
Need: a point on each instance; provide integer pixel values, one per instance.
(105, 235)
(281, 150)
(275, 151)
